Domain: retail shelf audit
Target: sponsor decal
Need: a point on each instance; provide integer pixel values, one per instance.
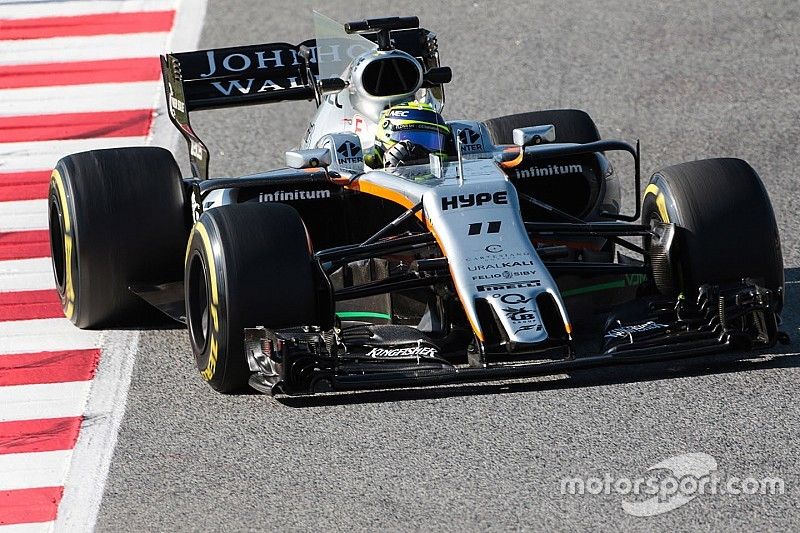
(509, 285)
(625, 331)
(255, 62)
(412, 351)
(398, 113)
(349, 153)
(508, 274)
(461, 201)
(498, 255)
(486, 276)
(196, 150)
(359, 124)
(297, 194)
(252, 86)
(494, 248)
(519, 314)
(635, 279)
(508, 264)
(513, 298)
(522, 318)
(549, 170)
(491, 227)
(528, 327)
(469, 140)
(279, 58)
(175, 104)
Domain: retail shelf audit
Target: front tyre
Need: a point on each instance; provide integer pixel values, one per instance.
(247, 265)
(725, 226)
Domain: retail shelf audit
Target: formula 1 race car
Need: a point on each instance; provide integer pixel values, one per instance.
(399, 249)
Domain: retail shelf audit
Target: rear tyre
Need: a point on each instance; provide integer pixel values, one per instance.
(247, 265)
(116, 217)
(572, 125)
(725, 226)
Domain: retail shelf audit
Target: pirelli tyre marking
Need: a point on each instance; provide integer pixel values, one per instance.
(213, 339)
(661, 202)
(68, 298)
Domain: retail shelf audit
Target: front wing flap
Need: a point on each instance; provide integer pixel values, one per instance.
(722, 319)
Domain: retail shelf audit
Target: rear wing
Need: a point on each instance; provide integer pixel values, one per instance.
(256, 74)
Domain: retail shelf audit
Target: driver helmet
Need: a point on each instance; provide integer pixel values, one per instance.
(408, 133)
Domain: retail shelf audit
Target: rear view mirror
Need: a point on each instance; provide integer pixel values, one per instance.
(437, 76)
(311, 158)
(331, 85)
(534, 135)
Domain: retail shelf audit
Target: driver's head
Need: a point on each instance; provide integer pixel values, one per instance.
(408, 133)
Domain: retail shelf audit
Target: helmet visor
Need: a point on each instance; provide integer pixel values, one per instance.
(433, 141)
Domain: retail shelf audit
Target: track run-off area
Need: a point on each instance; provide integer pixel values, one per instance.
(74, 76)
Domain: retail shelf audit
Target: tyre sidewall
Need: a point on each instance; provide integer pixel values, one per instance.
(262, 263)
(217, 371)
(60, 199)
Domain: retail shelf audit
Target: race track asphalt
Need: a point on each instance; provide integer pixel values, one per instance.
(691, 80)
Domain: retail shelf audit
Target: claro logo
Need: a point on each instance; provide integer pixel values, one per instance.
(474, 200)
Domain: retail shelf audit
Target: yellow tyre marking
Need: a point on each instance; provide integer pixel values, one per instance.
(69, 289)
(211, 367)
(661, 202)
(661, 205)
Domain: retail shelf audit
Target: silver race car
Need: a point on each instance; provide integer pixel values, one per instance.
(398, 248)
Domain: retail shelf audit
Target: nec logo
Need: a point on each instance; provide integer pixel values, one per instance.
(398, 113)
(471, 200)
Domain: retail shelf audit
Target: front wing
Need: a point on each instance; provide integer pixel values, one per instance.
(306, 360)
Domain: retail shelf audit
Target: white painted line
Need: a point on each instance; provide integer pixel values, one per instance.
(37, 527)
(79, 98)
(22, 156)
(44, 335)
(47, 400)
(23, 215)
(72, 49)
(40, 9)
(96, 442)
(32, 470)
(26, 275)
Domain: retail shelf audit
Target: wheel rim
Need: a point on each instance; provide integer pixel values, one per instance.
(198, 304)
(57, 253)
